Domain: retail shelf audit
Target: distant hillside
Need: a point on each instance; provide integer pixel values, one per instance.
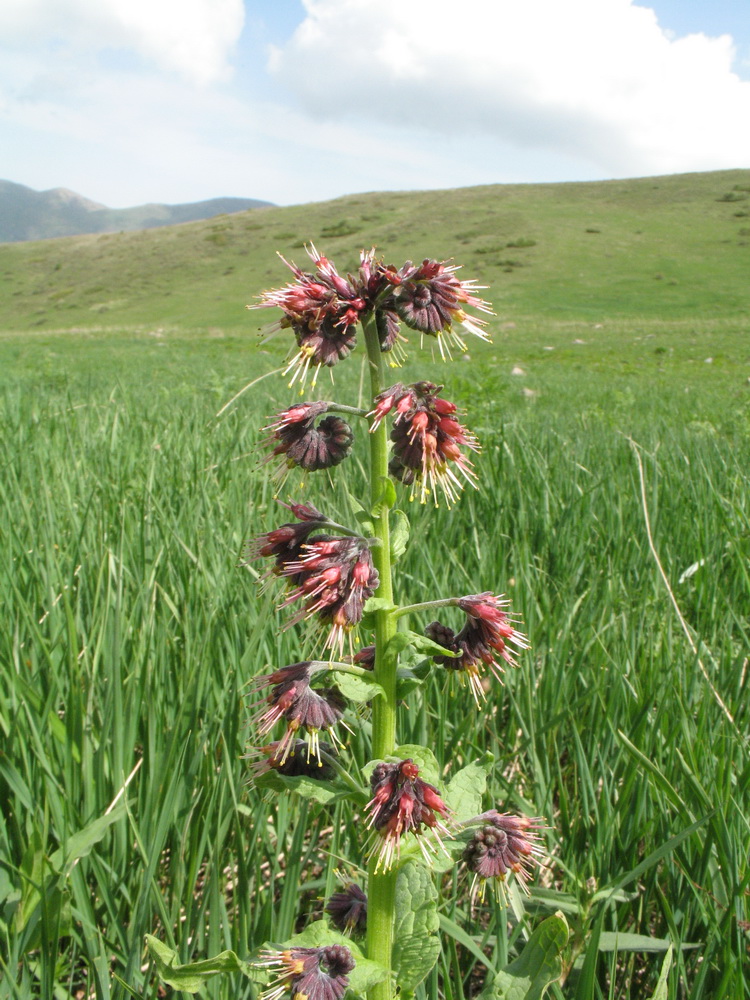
(666, 248)
(26, 214)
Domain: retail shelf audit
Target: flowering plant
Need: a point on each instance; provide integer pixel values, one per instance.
(340, 580)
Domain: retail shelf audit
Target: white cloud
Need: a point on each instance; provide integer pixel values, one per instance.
(598, 80)
(192, 37)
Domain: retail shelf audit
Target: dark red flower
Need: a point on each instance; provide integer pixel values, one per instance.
(505, 844)
(333, 577)
(430, 298)
(427, 440)
(303, 445)
(365, 658)
(322, 310)
(485, 635)
(300, 760)
(348, 909)
(402, 802)
(286, 541)
(308, 973)
(292, 699)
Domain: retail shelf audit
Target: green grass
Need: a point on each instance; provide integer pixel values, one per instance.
(131, 630)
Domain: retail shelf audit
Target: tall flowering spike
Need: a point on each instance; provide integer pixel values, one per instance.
(427, 441)
(303, 445)
(300, 760)
(322, 310)
(402, 802)
(505, 844)
(348, 909)
(484, 637)
(430, 298)
(300, 706)
(308, 973)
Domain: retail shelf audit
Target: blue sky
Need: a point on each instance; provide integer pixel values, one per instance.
(130, 101)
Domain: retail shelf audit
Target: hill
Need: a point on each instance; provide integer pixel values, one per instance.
(26, 214)
(667, 248)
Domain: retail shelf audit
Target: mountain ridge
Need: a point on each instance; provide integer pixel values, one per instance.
(27, 214)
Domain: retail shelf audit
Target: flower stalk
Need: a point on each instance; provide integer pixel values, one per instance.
(381, 886)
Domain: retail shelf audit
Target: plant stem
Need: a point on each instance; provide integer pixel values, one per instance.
(381, 886)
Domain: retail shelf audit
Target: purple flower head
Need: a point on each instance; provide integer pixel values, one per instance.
(309, 973)
(348, 909)
(333, 577)
(430, 298)
(427, 440)
(402, 802)
(505, 844)
(305, 446)
(300, 760)
(330, 575)
(485, 636)
(292, 699)
(322, 310)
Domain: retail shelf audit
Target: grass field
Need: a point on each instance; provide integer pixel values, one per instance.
(131, 630)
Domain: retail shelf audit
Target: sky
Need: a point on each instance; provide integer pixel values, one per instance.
(293, 101)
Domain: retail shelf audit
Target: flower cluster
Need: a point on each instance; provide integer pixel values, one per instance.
(323, 308)
(292, 699)
(427, 440)
(309, 973)
(402, 802)
(293, 758)
(487, 632)
(348, 909)
(504, 844)
(304, 445)
(430, 298)
(332, 575)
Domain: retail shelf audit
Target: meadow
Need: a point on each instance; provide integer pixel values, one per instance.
(132, 628)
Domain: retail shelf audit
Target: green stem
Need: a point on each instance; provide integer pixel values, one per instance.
(381, 886)
(407, 609)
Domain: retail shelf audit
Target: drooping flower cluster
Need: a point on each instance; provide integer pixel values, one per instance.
(504, 844)
(332, 575)
(348, 909)
(292, 699)
(323, 308)
(402, 802)
(304, 445)
(430, 298)
(427, 440)
(309, 973)
(295, 758)
(487, 632)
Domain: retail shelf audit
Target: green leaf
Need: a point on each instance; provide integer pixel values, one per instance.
(309, 788)
(399, 535)
(358, 688)
(385, 497)
(373, 604)
(466, 941)
(660, 993)
(616, 941)
(361, 516)
(466, 788)
(427, 647)
(192, 976)
(536, 968)
(416, 944)
(80, 844)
